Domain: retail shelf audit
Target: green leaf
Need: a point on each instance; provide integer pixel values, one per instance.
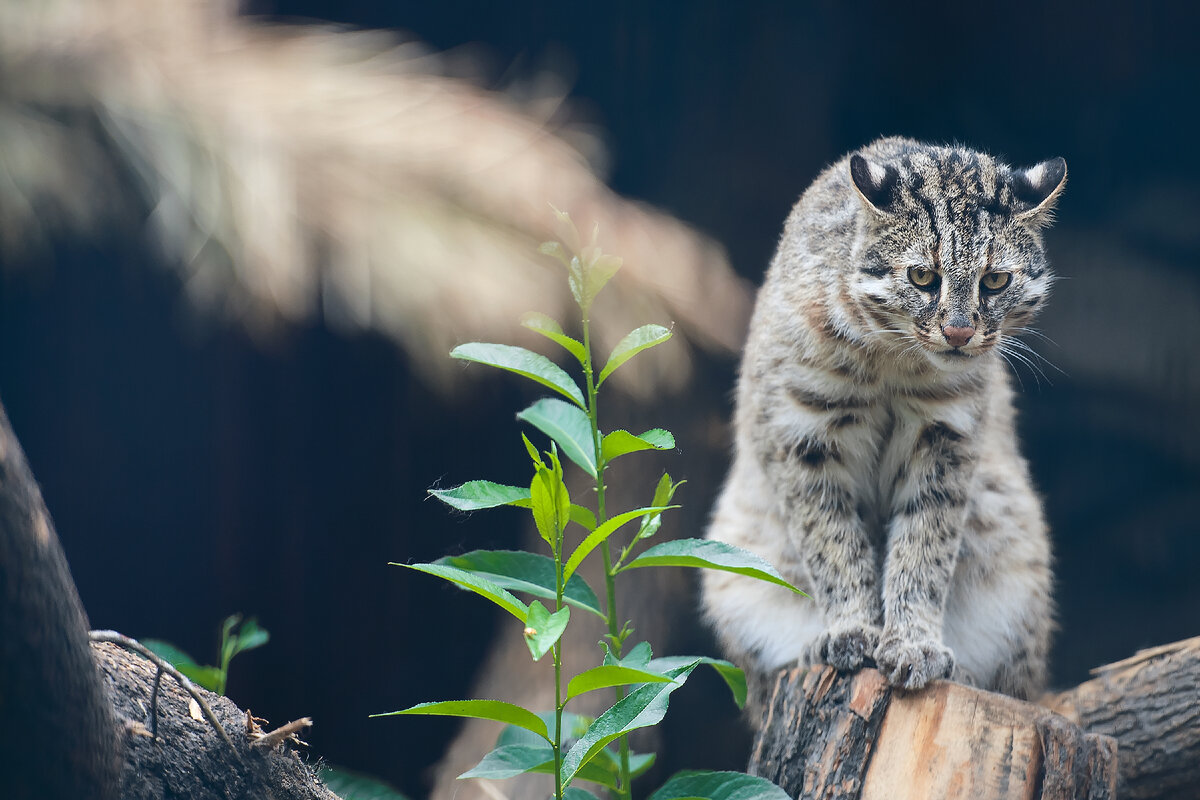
(355, 786)
(578, 514)
(227, 627)
(509, 761)
(638, 656)
(605, 676)
(210, 678)
(641, 708)
(733, 676)
(543, 629)
(568, 426)
(575, 793)
(533, 451)
(604, 769)
(602, 532)
(697, 785)
(634, 342)
(475, 583)
(248, 636)
(548, 327)
(236, 636)
(609, 760)
(555, 250)
(640, 763)
(169, 653)
(574, 726)
(520, 571)
(587, 274)
(599, 270)
(566, 231)
(618, 443)
(583, 517)
(523, 362)
(709, 554)
(207, 677)
(588, 269)
(496, 710)
(561, 496)
(545, 494)
(474, 495)
(662, 496)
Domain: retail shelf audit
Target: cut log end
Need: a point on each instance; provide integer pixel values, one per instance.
(836, 736)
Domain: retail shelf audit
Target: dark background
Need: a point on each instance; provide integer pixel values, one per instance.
(195, 473)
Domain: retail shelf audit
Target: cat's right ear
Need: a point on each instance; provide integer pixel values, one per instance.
(874, 182)
(1037, 188)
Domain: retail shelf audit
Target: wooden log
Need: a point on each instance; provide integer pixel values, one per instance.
(76, 720)
(818, 732)
(171, 750)
(1150, 704)
(58, 737)
(831, 736)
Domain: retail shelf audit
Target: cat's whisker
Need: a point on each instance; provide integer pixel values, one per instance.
(1012, 367)
(1027, 361)
(1009, 341)
(913, 349)
(894, 346)
(1037, 333)
(1017, 354)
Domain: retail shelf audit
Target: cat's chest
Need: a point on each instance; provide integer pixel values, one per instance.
(883, 452)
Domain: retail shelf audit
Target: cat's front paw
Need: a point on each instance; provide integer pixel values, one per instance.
(912, 663)
(845, 647)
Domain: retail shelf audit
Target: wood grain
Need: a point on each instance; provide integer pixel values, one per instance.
(831, 736)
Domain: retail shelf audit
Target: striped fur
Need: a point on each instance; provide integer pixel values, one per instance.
(876, 464)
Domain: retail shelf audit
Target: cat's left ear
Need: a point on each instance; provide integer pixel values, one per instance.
(1037, 188)
(873, 182)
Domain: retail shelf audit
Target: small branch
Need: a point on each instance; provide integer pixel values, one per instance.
(154, 704)
(282, 733)
(120, 639)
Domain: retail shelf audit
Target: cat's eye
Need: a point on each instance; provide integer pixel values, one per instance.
(995, 281)
(922, 277)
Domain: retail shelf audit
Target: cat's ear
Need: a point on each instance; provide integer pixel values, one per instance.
(874, 182)
(1037, 188)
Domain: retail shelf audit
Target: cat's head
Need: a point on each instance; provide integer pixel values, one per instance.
(949, 252)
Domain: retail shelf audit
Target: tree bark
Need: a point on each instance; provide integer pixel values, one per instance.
(172, 750)
(851, 737)
(1150, 704)
(57, 734)
(71, 731)
(819, 730)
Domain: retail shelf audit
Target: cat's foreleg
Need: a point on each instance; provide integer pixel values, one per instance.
(832, 541)
(924, 536)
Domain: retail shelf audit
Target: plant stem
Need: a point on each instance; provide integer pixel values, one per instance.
(557, 652)
(624, 790)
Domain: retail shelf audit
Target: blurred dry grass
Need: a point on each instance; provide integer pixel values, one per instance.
(293, 170)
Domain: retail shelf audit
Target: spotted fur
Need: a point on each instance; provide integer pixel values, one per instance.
(876, 462)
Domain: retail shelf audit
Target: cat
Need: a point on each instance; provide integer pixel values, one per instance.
(875, 456)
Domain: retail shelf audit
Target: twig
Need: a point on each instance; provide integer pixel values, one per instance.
(154, 704)
(282, 733)
(112, 637)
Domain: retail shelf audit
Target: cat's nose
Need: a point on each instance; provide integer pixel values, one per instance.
(957, 336)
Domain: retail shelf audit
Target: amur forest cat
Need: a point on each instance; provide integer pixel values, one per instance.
(876, 461)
